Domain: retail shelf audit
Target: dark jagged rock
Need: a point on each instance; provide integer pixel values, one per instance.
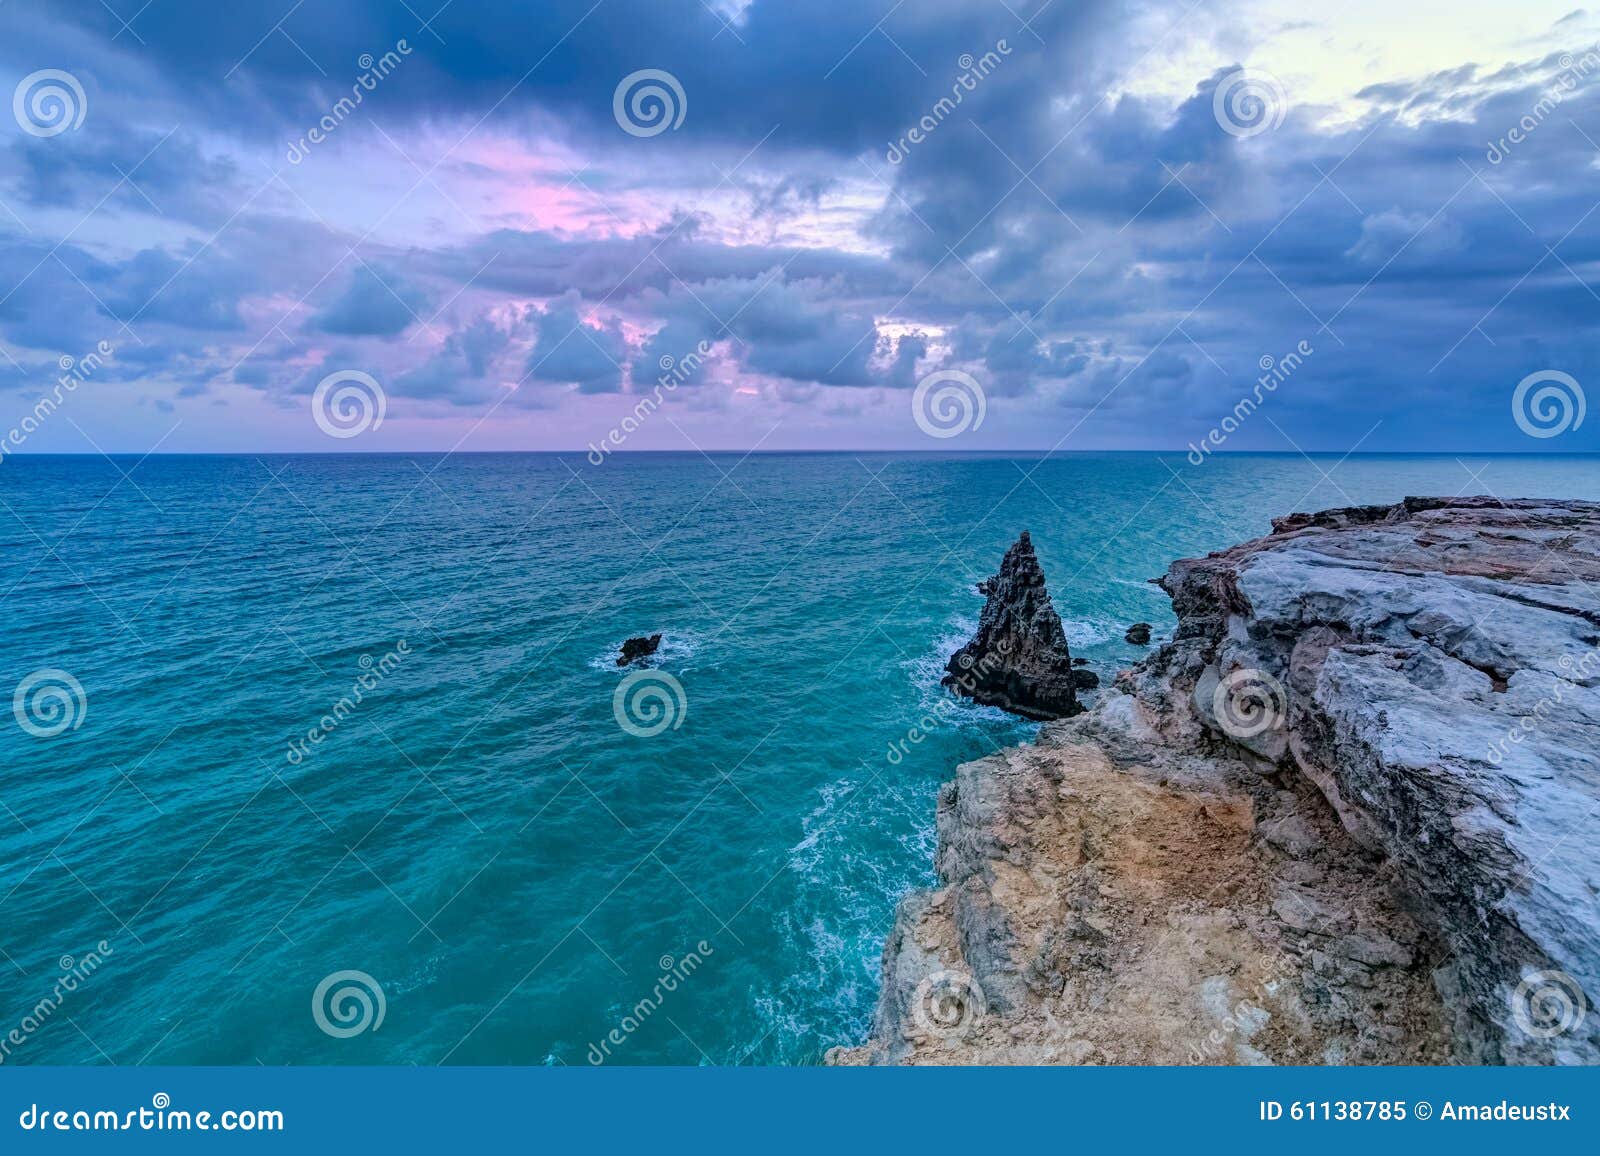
(636, 648)
(1085, 679)
(1139, 634)
(1018, 659)
(1080, 662)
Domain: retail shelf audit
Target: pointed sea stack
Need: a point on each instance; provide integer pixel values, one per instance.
(1018, 659)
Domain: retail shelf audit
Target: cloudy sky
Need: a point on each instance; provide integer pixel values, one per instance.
(1130, 210)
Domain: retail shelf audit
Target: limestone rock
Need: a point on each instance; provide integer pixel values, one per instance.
(1432, 668)
(1018, 659)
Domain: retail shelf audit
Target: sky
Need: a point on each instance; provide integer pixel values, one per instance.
(617, 225)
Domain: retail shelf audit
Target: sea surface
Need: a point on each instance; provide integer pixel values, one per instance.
(516, 875)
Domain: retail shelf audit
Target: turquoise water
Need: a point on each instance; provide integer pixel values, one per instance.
(514, 869)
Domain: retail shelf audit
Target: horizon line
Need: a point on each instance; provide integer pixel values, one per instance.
(585, 451)
(799, 452)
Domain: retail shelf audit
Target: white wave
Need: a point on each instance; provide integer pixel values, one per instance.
(784, 1031)
(1083, 633)
(934, 702)
(1147, 587)
(803, 856)
(834, 934)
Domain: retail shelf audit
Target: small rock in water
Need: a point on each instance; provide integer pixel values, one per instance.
(636, 648)
(1080, 662)
(1018, 659)
(1085, 679)
(1139, 634)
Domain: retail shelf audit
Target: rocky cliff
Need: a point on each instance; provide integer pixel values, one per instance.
(1348, 814)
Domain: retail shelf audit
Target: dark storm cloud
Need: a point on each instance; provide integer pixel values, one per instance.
(544, 264)
(376, 303)
(1083, 252)
(820, 68)
(1418, 263)
(570, 349)
(459, 372)
(140, 170)
(155, 286)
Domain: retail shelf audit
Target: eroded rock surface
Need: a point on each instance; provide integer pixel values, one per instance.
(1349, 814)
(1018, 659)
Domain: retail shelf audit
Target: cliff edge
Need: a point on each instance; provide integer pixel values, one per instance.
(1348, 814)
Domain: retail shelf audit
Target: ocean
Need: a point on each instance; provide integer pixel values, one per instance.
(339, 767)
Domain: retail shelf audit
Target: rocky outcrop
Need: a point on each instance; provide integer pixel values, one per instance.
(636, 648)
(1138, 634)
(1347, 815)
(1018, 659)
